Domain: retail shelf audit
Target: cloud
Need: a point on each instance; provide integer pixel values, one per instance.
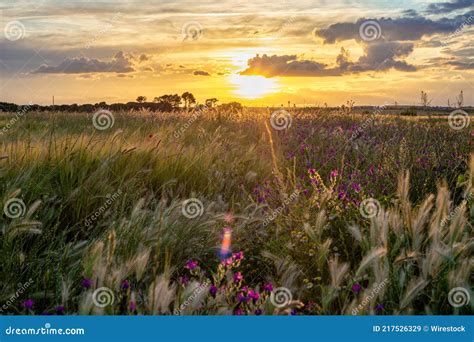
(201, 73)
(446, 7)
(405, 28)
(378, 56)
(120, 64)
(462, 65)
(286, 65)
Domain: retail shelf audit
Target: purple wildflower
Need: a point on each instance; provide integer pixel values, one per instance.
(238, 255)
(379, 307)
(356, 287)
(28, 304)
(268, 287)
(132, 306)
(86, 283)
(213, 290)
(258, 312)
(334, 173)
(241, 298)
(59, 309)
(125, 285)
(238, 312)
(184, 280)
(356, 187)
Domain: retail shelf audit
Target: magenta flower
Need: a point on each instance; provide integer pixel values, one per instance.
(334, 173)
(86, 283)
(191, 265)
(312, 171)
(268, 287)
(254, 295)
(238, 277)
(258, 312)
(356, 187)
(213, 290)
(356, 288)
(28, 304)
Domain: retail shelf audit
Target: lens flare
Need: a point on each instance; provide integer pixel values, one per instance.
(226, 242)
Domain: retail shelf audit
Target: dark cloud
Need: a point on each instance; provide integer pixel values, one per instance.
(462, 65)
(201, 73)
(405, 28)
(446, 7)
(120, 64)
(286, 65)
(379, 56)
(143, 58)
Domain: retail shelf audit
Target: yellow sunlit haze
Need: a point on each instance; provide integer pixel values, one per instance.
(256, 53)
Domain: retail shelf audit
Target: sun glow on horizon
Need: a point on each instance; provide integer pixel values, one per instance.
(253, 87)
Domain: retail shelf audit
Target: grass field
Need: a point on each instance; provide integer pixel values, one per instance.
(311, 212)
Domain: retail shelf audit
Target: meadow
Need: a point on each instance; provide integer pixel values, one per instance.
(207, 212)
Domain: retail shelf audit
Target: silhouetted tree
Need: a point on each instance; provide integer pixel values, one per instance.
(188, 99)
(172, 101)
(460, 100)
(141, 99)
(211, 102)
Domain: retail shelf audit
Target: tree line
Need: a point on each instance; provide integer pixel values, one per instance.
(163, 103)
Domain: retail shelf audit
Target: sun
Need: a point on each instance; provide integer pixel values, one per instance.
(253, 87)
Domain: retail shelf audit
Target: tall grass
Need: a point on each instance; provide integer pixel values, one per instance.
(106, 207)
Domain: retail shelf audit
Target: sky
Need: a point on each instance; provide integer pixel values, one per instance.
(254, 52)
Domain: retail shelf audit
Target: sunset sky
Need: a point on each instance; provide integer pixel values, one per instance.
(255, 52)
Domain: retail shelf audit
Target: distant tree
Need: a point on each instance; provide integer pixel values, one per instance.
(232, 107)
(188, 99)
(425, 102)
(172, 101)
(141, 99)
(460, 100)
(211, 102)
